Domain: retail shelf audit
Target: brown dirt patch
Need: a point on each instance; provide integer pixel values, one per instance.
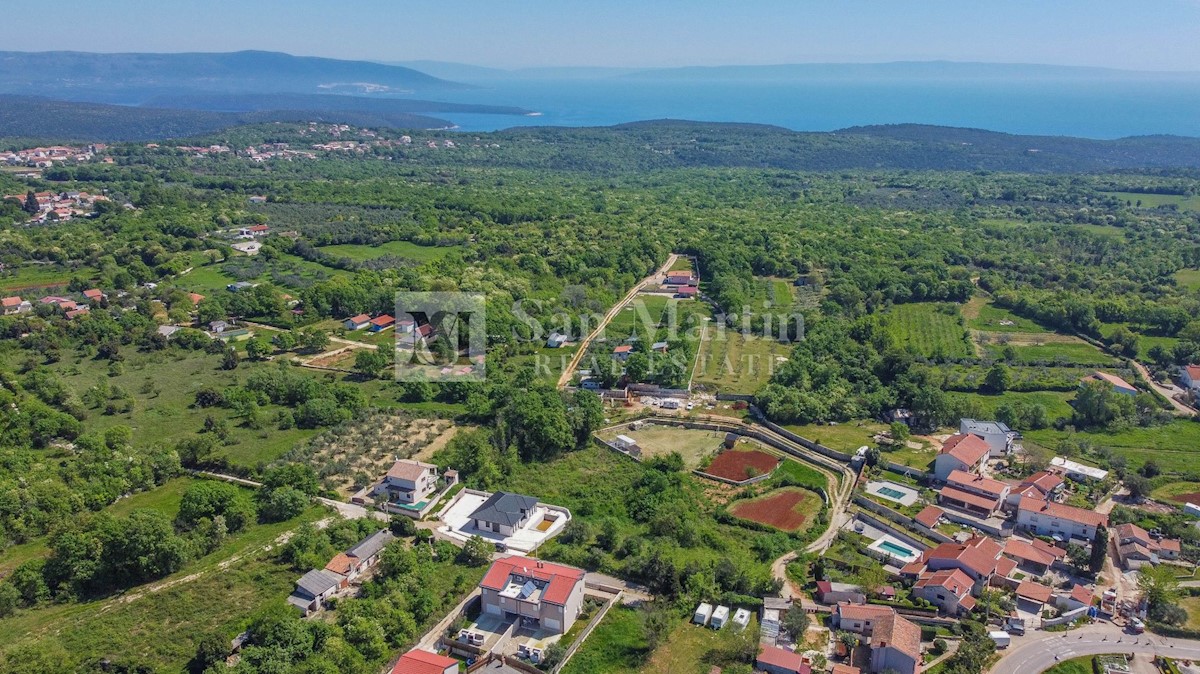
(738, 465)
(778, 509)
(1193, 498)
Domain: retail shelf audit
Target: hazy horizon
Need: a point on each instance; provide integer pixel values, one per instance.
(1155, 37)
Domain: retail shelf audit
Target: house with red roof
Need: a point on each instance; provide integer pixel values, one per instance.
(622, 352)
(1189, 377)
(780, 661)
(1034, 558)
(1137, 548)
(381, 323)
(948, 589)
(896, 646)
(833, 593)
(408, 482)
(1079, 597)
(15, 305)
(1032, 596)
(1119, 385)
(418, 661)
(541, 594)
(973, 493)
(858, 618)
(978, 558)
(964, 451)
(929, 517)
(196, 298)
(357, 322)
(686, 292)
(1047, 518)
(93, 294)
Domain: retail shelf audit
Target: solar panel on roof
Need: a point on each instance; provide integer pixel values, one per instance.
(528, 589)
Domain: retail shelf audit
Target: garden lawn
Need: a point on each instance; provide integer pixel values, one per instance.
(164, 498)
(928, 331)
(846, 437)
(1054, 401)
(616, 646)
(1073, 666)
(1188, 278)
(1192, 606)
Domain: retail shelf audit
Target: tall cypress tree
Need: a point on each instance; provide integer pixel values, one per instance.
(31, 203)
(1099, 550)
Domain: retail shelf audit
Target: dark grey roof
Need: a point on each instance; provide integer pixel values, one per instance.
(504, 508)
(315, 582)
(371, 545)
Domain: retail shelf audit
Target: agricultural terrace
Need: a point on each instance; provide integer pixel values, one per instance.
(788, 509)
(733, 362)
(694, 445)
(357, 453)
(935, 331)
(737, 465)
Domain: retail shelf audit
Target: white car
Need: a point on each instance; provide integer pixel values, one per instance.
(691, 405)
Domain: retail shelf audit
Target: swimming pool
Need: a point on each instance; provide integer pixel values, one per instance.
(897, 550)
(894, 493)
(890, 491)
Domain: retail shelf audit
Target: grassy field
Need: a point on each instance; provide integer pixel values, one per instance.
(205, 280)
(33, 276)
(1188, 278)
(1192, 606)
(1076, 352)
(1175, 447)
(16, 555)
(1191, 203)
(681, 263)
(165, 499)
(161, 629)
(163, 385)
(845, 437)
(1172, 490)
(981, 314)
(685, 649)
(928, 332)
(1054, 401)
(731, 362)
(693, 445)
(616, 646)
(405, 249)
(644, 310)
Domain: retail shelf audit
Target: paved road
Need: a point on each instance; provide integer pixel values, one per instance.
(1180, 409)
(569, 371)
(1042, 650)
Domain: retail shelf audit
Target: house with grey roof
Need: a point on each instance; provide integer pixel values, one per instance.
(996, 434)
(312, 589)
(368, 549)
(503, 513)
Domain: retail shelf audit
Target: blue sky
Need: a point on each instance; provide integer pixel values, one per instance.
(1136, 34)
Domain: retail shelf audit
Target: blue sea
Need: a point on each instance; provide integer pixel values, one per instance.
(1089, 108)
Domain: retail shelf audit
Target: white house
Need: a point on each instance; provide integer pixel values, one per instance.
(1189, 377)
(358, 322)
(999, 437)
(409, 482)
(1077, 471)
(1047, 518)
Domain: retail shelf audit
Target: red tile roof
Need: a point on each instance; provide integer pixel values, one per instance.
(777, 657)
(979, 554)
(1044, 481)
(624, 348)
(417, 661)
(929, 516)
(382, 321)
(406, 469)
(848, 611)
(966, 447)
(1082, 594)
(361, 318)
(1193, 372)
(93, 293)
(898, 633)
(687, 290)
(341, 563)
(1131, 530)
(969, 498)
(1169, 544)
(259, 228)
(1027, 552)
(561, 580)
(195, 297)
(845, 669)
(13, 301)
(1034, 591)
(977, 482)
(1112, 379)
(1062, 512)
(953, 580)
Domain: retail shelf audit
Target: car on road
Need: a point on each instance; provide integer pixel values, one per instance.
(1137, 626)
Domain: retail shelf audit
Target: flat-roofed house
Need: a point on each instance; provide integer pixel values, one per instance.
(540, 594)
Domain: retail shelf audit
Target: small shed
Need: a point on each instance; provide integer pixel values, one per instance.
(730, 440)
(703, 612)
(719, 617)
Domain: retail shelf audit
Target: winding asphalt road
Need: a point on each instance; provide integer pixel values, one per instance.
(1041, 651)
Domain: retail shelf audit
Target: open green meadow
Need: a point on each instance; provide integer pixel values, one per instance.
(928, 331)
(1188, 278)
(405, 249)
(1076, 352)
(617, 645)
(37, 276)
(1191, 203)
(982, 315)
(1055, 402)
(731, 362)
(846, 437)
(1175, 447)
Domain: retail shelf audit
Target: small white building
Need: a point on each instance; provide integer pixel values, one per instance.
(719, 617)
(998, 436)
(1189, 377)
(1078, 471)
(703, 612)
(1047, 518)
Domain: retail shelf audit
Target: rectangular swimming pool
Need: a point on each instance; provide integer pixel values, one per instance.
(891, 493)
(896, 549)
